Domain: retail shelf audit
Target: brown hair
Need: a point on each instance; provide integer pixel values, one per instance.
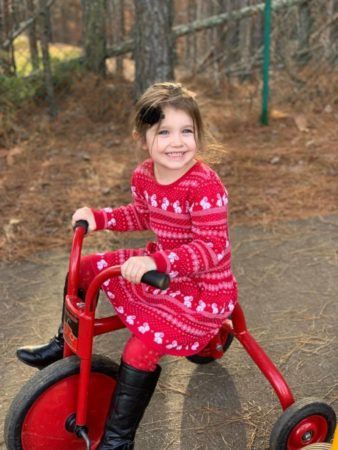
(160, 95)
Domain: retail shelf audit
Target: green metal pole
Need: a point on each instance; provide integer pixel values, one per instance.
(266, 63)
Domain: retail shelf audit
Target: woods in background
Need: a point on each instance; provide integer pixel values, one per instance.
(219, 39)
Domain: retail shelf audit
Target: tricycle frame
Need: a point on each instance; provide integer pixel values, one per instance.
(80, 316)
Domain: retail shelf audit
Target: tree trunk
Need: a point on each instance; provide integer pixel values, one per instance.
(232, 35)
(94, 13)
(202, 41)
(44, 39)
(7, 61)
(304, 32)
(64, 15)
(334, 33)
(219, 46)
(190, 59)
(32, 39)
(245, 30)
(118, 11)
(153, 52)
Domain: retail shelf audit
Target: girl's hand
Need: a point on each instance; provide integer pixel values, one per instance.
(85, 213)
(136, 266)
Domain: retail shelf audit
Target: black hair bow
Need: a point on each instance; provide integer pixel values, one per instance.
(151, 115)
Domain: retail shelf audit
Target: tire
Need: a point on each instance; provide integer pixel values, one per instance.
(305, 422)
(202, 358)
(37, 416)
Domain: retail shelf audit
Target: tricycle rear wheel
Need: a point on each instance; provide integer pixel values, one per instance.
(38, 414)
(205, 356)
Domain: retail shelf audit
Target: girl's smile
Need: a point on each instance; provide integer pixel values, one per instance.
(175, 155)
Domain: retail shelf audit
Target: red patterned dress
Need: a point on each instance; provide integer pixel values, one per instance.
(189, 219)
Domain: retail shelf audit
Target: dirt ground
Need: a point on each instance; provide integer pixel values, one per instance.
(283, 188)
(288, 290)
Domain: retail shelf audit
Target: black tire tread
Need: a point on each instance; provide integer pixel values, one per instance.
(196, 359)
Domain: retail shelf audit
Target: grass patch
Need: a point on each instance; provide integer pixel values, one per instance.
(58, 53)
(15, 90)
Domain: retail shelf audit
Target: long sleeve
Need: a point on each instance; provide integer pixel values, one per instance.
(209, 246)
(132, 217)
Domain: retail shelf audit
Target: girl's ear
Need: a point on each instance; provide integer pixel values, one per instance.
(136, 135)
(141, 141)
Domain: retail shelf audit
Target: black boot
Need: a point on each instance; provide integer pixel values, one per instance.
(40, 356)
(131, 397)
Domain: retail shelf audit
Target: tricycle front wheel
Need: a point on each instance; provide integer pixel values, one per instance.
(37, 417)
(305, 422)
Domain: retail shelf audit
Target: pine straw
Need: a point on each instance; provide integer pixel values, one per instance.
(86, 156)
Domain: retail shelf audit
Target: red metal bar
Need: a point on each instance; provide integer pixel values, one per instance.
(261, 359)
(82, 398)
(67, 351)
(86, 335)
(87, 319)
(84, 351)
(74, 261)
(96, 284)
(107, 324)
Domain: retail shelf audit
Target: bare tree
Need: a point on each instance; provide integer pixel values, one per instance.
(191, 42)
(245, 27)
(94, 13)
(32, 38)
(305, 22)
(153, 50)
(219, 37)
(332, 46)
(118, 11)
(44, 39)
(334, 31)
(7, 61)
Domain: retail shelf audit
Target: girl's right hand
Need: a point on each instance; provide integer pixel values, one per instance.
(85, 213)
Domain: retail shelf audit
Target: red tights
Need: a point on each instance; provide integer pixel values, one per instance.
(135, 353)
(139, 355)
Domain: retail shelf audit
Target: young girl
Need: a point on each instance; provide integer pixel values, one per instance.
(184, 203)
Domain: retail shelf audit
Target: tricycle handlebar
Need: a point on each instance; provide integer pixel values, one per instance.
(83, 224)
(157, 279)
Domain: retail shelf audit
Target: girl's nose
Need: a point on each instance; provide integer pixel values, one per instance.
(176, 140)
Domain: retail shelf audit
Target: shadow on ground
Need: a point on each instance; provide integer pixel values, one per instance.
(288, 290)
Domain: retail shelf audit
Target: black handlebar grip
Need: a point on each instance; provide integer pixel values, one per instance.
(82, 223)
(156, 279)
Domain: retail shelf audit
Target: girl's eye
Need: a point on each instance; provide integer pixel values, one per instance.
(188, 130)
(163, 132)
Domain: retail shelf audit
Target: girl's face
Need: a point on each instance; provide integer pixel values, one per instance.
(172, 145)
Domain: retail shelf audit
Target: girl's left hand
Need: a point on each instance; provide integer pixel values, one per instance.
(136, 266)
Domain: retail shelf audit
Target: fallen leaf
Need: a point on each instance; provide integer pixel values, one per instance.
(2, 242)
(277, 114)
(301, 123)
(13, 152)
(9, 229)
(275, 160)
(328, 109)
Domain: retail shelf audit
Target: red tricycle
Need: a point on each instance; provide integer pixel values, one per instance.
(64, 406)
